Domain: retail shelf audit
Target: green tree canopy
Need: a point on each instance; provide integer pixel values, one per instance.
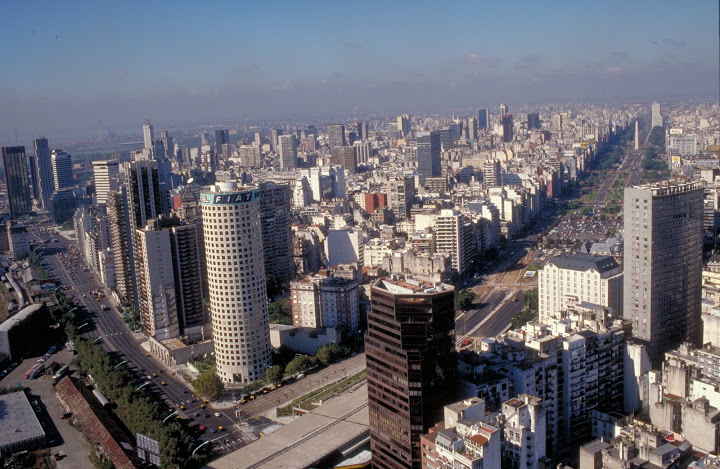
(209, 385)
(464, 299)
(279, 312)
(657, 136)
(274, 287)
(300, 364)
(274, 374)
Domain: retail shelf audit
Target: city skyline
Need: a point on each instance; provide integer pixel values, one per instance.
(74, 69)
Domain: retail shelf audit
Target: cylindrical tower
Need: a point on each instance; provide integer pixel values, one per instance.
(236, 282)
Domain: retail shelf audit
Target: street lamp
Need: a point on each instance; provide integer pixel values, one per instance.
(173, 414)
(82, 325)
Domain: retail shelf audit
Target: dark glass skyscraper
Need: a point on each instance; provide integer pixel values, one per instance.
(44, 173)
(533, 121)
(507, 124)
(18, 181)
(483, 118)
(411, 363)
(428, 155)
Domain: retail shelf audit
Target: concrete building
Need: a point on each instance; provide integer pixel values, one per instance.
(238, 297)
(410, 348)
(345, 157)
(572, 279)
(105, 176)
(429, 161)
(524, 437)
(455, 238)
(189, 266)
(287, 147)
(20, 429)
(121, 242)
(43, 177)
(656, 117)
(275, 218)
(400, 195)
(62, 170)
(325, 301)
(18, 239)
(156, 282)
(336, 135)
(344, 247)
(663, 264)
(19, 200)
(492, 174)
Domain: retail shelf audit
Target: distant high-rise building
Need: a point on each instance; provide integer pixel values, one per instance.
(657, 120)
(663, 265)
(44, 174)
(148, 136)
(363, 150)
(276, 218)
(222, 142)
(288, 151)
(492, 174)
(403, 125)
(275, 138)
(400, 195)
(503, 110)
(188, 251)
(483, 118)
(62, 170)
(168, 144)
(18, 181)
(533, 121)
(428, 155)
(121, 244)
(507, 125)
(238, 296)
(105, 175)
(336, 135)
(472, 128)
(364, 131)
(411, 363)
(344, 156)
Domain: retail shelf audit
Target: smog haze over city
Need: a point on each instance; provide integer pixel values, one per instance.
(186, 63)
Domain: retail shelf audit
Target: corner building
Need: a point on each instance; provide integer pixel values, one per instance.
(236, 281)
(411, 366)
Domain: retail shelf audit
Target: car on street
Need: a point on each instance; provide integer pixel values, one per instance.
(202, 427)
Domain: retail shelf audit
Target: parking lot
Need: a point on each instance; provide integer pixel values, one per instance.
(61, 435)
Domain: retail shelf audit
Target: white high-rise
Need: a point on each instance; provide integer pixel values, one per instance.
(236, 281)
(62, 169)
(657, 120)
(105, 175)
(148, 136)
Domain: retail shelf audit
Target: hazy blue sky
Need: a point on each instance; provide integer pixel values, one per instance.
(68, 64)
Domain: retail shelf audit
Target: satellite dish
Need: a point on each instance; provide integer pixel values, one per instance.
(190, 181)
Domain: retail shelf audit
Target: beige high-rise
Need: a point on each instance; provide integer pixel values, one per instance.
(236, 281)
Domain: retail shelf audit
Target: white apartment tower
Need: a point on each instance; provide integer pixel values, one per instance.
(571, 279)
(657, 120)
(62, 169)
(236, 281)
(105, 175)
(455, 238)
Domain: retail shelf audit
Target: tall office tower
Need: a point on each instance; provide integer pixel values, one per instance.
(363, 150)
(492, 174)
(156, 282)
(411, 363)
(428, 155)
(35, 192)
(238, 296)
(571, 279)
(222, 138)
(472, 127)
(336, 135)
(168, 144)
(455, 237)
(657, 120)
(663, 264)
(188, 254)
(276, 218)
(483, 118)
(148, 136)
(445, 139)
(105, 175)
(533, 121)
(503, 110)
(44, 177)
(18, 182)
(403, 125)
(288, 152)
(507, 125)
(62, 170)
(121, 243)
(274, 138)
(257, 140)
(344, 156)
(364, 131)
(400, 195)
(558, 121)
(144, 193)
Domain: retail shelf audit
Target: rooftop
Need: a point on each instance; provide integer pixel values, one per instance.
(18, 422)
(409, 285)
(583, 262)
